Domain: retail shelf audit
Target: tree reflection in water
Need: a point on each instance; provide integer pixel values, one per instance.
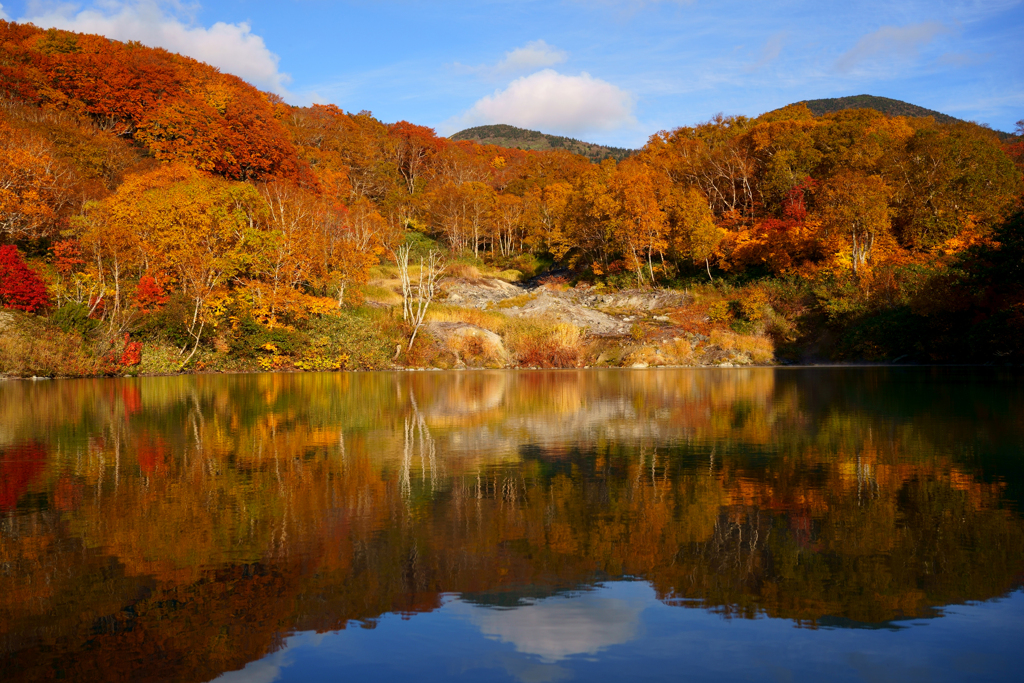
(180, 527)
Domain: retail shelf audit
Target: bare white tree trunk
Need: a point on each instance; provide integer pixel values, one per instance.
(416, 297)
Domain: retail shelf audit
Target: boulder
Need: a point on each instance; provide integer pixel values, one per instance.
(471, 344)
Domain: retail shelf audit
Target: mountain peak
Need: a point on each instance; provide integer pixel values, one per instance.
(504, 135)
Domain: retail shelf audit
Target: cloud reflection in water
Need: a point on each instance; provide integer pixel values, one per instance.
(561, 626)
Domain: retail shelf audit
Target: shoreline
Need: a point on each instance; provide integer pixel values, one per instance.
(751, 366)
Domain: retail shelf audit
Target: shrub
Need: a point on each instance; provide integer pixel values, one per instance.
(149, 296)
(20, 288)
(510, 275)
(169, 323)
(74, 317)
(719, 311)
(464, 271)
(37, 350)
(361, 338)
(527, 264)
(543, 345)
(742, 327)
(556, 283)
(251, 339)
(758, 347)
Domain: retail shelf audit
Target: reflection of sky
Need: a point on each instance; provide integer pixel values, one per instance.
(620, 631)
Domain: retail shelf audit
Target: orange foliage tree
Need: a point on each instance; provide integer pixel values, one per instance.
(34, 186)
(640, 228)
(179, 108)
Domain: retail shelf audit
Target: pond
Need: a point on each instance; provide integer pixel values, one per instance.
(708, 524)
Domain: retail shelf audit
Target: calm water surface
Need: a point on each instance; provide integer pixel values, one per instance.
(763, 524)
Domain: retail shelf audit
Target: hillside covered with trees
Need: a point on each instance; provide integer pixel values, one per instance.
(885, 105)
(158, 215)
(504, 135)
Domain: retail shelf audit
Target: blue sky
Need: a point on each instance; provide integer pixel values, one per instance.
(609, 71)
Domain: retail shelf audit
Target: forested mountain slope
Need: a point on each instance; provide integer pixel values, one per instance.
(146, 194)
(885, 105)
(504, 135)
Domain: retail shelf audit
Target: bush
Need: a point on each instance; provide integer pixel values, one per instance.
(361, 338)
(759, 348)
(539, 345)
(719, 311)
(168, 324)
(74, 317)
(20, 288)
(251, 338)
(31, 349)
(421, 246)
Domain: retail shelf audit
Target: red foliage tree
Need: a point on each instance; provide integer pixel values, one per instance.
(19, 467)
(20, 287)
(413, 148)
(132, 354)
(67, 257)
(149, 296)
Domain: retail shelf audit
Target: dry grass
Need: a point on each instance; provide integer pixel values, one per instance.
(478, 273)
(678, 352)
(384, 271)
(510, 275)
(30, 348)
(464, 271)
(489, 320)
(517, 301)
(381, 294)
(664, 352)
(758, 347)
(545, 344)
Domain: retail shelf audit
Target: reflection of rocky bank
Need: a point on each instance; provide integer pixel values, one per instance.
(497, 413)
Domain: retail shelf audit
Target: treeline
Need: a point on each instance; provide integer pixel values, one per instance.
(138, 181)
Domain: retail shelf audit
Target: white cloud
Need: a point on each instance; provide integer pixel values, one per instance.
(232, 48)
(3, 15)
(962, 59)
(770, 51)
(889, 42)
(553, 103)
(534, 55)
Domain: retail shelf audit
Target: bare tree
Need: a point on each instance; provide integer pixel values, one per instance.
(416, 296)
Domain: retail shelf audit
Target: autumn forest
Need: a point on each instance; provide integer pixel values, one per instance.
(157, 215)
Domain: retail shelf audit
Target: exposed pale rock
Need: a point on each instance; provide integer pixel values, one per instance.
(550, 305)
(455, 334)
(480, 294)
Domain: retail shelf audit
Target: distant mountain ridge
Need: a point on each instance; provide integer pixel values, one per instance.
(885, 105)
(504, 135)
